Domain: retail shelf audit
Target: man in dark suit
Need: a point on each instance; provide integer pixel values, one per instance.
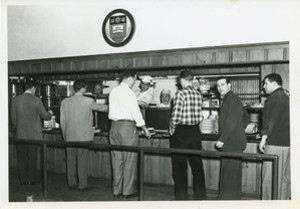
(26, 113)
(233, 121)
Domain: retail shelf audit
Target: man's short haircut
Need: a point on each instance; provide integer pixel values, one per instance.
(226, 79)
(78, 84)
(127, 74)
(186, 74)
(30, 82)
(274, 77)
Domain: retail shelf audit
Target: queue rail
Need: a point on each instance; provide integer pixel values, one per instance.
(142, 151)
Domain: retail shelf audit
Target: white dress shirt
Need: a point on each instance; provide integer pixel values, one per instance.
(123, 105)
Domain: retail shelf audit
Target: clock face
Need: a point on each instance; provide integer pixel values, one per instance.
(118, 27)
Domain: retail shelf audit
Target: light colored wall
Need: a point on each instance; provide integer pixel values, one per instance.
(73, 29)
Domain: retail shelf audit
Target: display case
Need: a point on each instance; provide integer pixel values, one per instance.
(246, 86)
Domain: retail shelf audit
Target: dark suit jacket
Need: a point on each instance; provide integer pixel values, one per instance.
(232, 123)
(26, 113)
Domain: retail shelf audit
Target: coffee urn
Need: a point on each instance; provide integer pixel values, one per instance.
(16, 87)
(48, 95)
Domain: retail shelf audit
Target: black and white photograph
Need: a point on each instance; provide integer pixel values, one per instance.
(154, 104)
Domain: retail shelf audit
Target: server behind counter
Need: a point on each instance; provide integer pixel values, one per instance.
(145, 96)
(159, 117)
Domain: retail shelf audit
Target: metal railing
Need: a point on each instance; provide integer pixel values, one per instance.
(148, 150)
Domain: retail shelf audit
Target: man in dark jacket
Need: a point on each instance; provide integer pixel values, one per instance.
(276, 137)
(26, 113)
(233, 120)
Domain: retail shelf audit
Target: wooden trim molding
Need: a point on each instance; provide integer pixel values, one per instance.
(203, 57)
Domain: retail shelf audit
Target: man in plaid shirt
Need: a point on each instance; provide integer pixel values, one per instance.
(185, 134)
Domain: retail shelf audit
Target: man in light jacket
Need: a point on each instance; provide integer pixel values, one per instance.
(76, 118)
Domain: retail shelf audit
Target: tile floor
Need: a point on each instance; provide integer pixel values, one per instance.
(57, 190)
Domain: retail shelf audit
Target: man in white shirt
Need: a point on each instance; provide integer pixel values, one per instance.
(125, 115)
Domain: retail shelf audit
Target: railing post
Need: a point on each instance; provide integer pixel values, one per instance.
(275, 178)
(44, 153)
(141, 174)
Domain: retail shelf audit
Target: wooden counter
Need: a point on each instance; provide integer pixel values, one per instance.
(158, 169)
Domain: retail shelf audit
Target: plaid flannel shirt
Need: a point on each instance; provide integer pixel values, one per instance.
(187, 108)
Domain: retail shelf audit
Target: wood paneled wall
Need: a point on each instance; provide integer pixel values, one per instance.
(167, 61)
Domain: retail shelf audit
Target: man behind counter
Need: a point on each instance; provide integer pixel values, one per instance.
(145, 96)
(165, 98)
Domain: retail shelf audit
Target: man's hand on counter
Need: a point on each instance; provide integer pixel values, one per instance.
(219, 144)
(262, 143)
(146, 132)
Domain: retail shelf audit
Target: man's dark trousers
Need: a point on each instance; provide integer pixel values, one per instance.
(187, 137)
(27, 163)
(231, 176)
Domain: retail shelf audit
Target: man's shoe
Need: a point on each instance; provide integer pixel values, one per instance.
(73, 187)
(85, 189)
(33, 182)
(24, 183)
(130, 196)
(118, 196)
